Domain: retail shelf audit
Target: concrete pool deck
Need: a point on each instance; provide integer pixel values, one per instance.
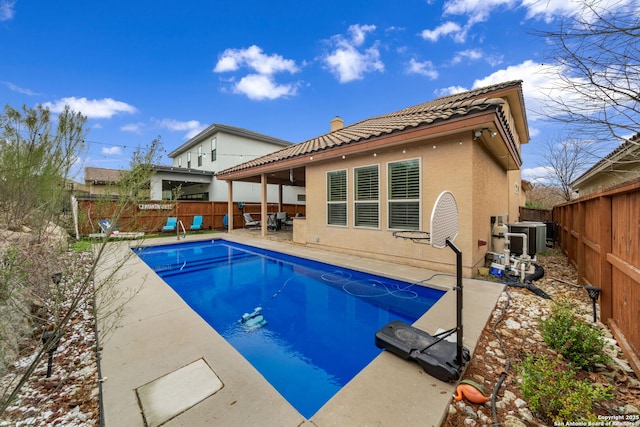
(157, 337)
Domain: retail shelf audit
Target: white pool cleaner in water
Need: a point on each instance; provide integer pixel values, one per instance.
(252, 321)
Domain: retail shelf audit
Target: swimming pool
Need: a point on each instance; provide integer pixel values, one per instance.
(316, 327)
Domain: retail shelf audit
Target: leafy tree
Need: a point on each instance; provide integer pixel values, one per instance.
(42, 175)
(34, 164)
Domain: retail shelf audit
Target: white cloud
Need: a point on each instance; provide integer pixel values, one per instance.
(193, 127)
(259, 84)
(255, 59)
(480, 10)
(112, 151)
(16, 88)
(348, 62)
(359, 32)
(539, 174)
(7, 10)
(92, 108)
(259, 87)
(476, 55)
(451, 90)
(533, 131)
(228, 61)
(477, 10)
(470, 54)
(136, 128)
(448, 28)
(587, 11)
(550, 8)
(540, 83)
(174, 125)
(424, 68)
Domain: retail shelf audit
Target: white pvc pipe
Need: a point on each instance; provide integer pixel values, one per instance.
(524, 241)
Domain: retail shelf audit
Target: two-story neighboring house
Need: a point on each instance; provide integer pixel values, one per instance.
(218, 147)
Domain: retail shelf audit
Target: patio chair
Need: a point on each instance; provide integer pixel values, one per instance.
(272, 222)
(172, 223)
(289, 222)
(197, 223)
(284, 220)
(107, 228)
(249, 221)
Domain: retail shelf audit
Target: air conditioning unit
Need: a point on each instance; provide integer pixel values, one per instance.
(536, 237)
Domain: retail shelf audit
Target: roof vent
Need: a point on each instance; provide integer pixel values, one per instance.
(336, 123)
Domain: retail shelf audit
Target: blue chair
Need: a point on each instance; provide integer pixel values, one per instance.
(197, 223)
(106, 226)
(172, 223)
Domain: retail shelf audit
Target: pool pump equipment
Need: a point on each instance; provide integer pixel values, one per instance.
(252, 321)
(515, 267)
(438, 357)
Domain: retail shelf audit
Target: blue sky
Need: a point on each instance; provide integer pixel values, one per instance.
(142, 69)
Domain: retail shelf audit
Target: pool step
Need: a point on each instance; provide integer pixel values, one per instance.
(201, 263)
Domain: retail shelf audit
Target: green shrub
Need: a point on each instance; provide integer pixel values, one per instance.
(572, 337)
(82, 246)
(553, 392)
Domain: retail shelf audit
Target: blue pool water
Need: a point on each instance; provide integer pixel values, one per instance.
(320, 319)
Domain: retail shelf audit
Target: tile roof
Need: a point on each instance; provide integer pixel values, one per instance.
(630, 147)
(102, 175)
(437, 110)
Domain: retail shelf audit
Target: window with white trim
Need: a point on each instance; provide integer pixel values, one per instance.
(180, 161)
(189, 159)
(337, 197)
(214, 147)
(404, 194)
(200, 156)
(366, 198)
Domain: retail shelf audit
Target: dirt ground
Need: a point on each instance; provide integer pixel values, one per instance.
(519, 329)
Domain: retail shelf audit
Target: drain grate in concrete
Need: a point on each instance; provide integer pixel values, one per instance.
(176, 392)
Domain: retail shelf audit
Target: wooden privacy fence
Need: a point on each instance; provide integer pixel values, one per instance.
(600, 234)
(150, 216)
(535, 215)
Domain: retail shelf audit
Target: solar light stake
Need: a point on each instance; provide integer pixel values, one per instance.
(50, 342)
(594, 293)
(56, 278)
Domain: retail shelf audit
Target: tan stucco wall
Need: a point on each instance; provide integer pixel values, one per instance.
(455, 163)
(493, 195)
(608, 179)
(103, 189)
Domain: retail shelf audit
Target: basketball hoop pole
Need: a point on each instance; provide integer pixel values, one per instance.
(458, 288)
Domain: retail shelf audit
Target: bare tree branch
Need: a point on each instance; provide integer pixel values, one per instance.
(597, 51)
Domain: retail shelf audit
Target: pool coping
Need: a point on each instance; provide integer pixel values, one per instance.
(158, 333)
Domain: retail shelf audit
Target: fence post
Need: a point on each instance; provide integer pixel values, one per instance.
(580, 227)
(605, 237)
